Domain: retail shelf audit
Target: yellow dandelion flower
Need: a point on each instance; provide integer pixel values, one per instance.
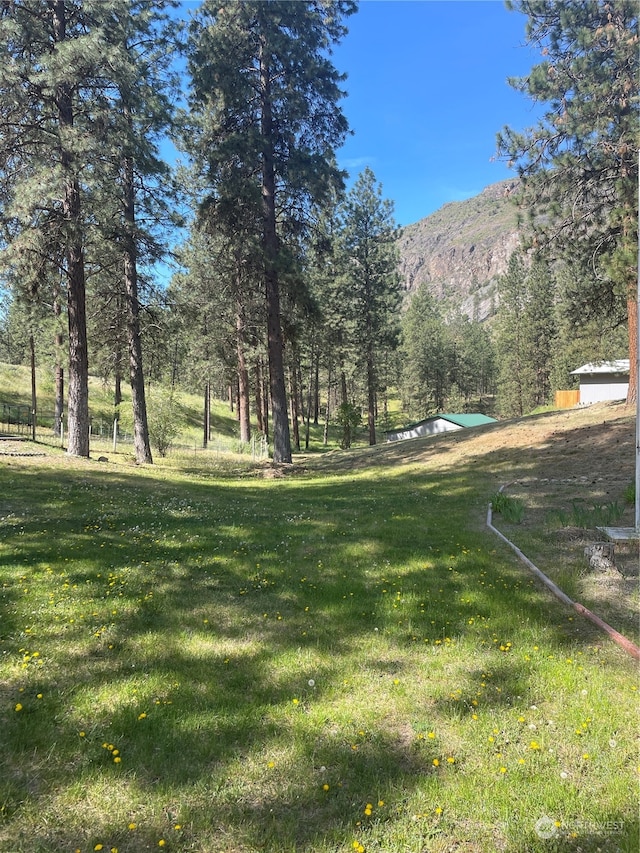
(161, 843)
(98, 847)
(117, 760)
(436, 762)
(18, 707)
(503, 769)
(133, 826)
(325, 787)
(431, 735)
(451, 760)
(534, 745)
(380, 803)
(438, 810)
(178, 826)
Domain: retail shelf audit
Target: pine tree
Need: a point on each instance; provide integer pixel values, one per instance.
(142, 111)
(264, 103)
(218, 301)
(50, 61)
(426, 350)
(587, 330)
(540, 319)
(579, 165)
(369, 274)
(473, 359)
(64, 78)
(526, 336)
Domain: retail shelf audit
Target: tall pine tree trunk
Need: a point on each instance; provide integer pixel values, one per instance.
(262, 427)
(310, 390)
(632, 315)
(141, 442)
(34, 395)
(59, 370)
(207, 415)
(316, 390)
(243, 379)
(275, 344)
(325, 432)
(294, 397)
(78, 402)
(78, 405)
(371, 398)
(117, 390)
(264, 384)
(344, 396)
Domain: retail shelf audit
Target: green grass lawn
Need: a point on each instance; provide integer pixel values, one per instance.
(194, 659)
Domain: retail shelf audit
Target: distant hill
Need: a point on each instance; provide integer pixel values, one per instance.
(461, 249)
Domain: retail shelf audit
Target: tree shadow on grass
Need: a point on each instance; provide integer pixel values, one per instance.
(216, 590)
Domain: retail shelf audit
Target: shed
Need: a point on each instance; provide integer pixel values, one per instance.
(439, 423)
(604, 380)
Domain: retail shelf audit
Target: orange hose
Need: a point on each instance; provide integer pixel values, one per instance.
(618, 638)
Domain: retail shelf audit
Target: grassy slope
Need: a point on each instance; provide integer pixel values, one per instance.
(15, 385)
(15, 389)
(339, 659)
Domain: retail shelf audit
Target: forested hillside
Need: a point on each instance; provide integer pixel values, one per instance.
(460, 250)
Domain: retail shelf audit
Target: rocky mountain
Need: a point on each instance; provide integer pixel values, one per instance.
(461, 249)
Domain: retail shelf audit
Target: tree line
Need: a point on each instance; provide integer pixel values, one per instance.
(286, 288)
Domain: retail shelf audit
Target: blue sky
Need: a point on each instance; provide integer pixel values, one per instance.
(427, 94)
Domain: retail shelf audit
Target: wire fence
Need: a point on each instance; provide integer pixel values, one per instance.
(17, 420)
(257, 447)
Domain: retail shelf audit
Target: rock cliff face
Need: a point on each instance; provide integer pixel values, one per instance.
(461, 249)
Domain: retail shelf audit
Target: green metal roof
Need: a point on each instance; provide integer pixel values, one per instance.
(470, 420)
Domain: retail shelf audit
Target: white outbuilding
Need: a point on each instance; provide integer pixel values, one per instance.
(605, 380)
(439, 423)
